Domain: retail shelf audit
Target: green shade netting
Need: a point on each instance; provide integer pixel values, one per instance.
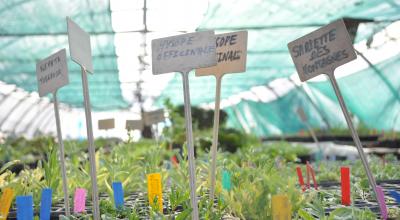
(271, 25)
(365, 94)
(35, 29)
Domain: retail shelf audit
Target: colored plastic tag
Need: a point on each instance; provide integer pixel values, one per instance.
(382, 203)
(395, 195)
(310, 171)
(155, 189)
(45, 204)
(80, 200)
(281, 208)
(5, 202)
(345, 178)
(24, 208)
(118, 194)
(226, 180)
(300, 175)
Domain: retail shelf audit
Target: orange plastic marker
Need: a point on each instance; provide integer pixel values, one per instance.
(5, 202)
(155, 189)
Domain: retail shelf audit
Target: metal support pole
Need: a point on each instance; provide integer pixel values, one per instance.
(62, 155)
(92, 153)
(190, 146)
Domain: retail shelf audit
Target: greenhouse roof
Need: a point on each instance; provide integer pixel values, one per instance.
(121, 32)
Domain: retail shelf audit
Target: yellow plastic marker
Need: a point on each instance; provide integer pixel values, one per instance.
(281, 208)
(154, 189)
(5, 202)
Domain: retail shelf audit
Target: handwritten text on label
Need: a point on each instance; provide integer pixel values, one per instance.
(183, 52)
(52, 73)
(231, 54)
(322, 51)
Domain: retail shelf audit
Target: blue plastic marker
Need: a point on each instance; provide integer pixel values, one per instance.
(118, 194)
(45, 204)
(24, 208)
(395, 195)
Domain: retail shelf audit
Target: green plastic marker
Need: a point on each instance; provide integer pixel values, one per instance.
(226, 180)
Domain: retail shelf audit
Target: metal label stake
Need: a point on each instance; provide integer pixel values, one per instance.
(181, 54)
(81, 53)
(214, 146)
(321, 52)
(49, 82)
(232, 54)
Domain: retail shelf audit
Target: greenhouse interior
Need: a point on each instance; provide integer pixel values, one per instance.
(199, 109)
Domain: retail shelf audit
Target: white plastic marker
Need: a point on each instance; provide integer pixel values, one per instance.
(321, 52)
(153, 118)
(182, 53)
(231, 58)
(106, 124)
(52, 74)
(303, 118)
(134, 125)
(80, 50)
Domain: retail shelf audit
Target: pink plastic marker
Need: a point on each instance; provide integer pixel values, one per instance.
(79, 200)
(382, 203)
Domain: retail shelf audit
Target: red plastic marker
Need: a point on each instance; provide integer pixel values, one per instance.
(300, 175)
(310, 170)
(345, 177)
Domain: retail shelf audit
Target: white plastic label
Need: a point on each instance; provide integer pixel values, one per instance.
(79, 45)
(231, 54)
(134, 125)
(106, 124)
(52, 73)
(183, 53)
(321, 51)
(153, 117)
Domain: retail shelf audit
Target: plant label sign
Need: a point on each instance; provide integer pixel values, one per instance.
(154, 188)
(321, 51)
(231, 54)
(134, 125)
(281, 208)
(184, 52)
(153, 117)
(52, 73)
(106, 124)
(5, 202)
(79, 45)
